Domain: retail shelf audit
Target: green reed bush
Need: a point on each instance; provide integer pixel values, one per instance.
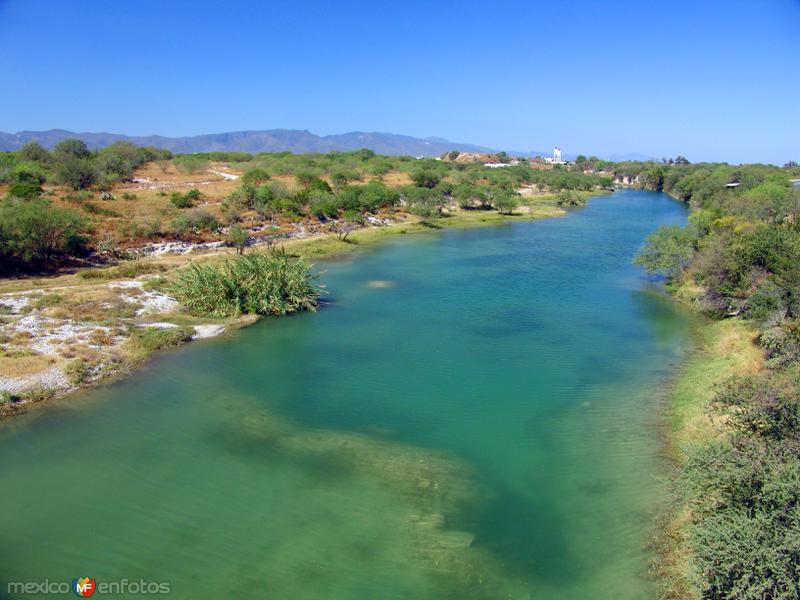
(262, 284)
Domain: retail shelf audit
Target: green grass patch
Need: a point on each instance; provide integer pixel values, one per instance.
(145, 341)
(126, 270)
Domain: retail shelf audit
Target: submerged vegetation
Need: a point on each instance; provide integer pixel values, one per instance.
(740, 257)
(260, 283)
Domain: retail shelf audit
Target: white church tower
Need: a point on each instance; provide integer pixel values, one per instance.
(557, 156)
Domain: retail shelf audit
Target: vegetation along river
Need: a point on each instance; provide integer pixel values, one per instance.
(473, 414)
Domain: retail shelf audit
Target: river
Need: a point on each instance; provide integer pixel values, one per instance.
(473, 414)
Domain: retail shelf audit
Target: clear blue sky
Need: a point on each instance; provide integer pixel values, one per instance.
(710, 79)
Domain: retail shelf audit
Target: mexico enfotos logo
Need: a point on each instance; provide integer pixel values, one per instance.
(84, 587)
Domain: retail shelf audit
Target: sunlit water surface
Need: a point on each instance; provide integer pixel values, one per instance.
(474, 414)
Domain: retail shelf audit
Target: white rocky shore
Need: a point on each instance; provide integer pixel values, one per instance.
(45, 341)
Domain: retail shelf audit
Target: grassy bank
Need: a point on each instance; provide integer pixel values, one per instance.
(541, 207)
(723, 349)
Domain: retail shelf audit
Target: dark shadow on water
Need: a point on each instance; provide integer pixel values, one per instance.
(523, 533)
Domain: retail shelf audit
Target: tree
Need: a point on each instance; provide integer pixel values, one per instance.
(237, 237)
(35, 152)
(505, 202)
(570, 198)
(255, 176)
(668, 251)
(72, 148)
(78, 173)
(342, 229)
(426, 178)
(34, 233)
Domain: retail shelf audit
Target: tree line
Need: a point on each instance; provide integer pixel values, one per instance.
(741, 247)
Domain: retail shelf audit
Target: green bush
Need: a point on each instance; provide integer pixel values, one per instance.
(505, 202)
(255, 176)
(195, 221)
(25, 191)
(746, 528)
(77, 173)
(179, 200)
(426, 178)
(190, 163)
(570, 198)
(34, 234)
(263, 284)
(668, 251)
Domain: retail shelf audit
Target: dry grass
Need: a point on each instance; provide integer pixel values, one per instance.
(20, 365)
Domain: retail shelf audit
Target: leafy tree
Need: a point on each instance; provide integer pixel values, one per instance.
(668, 251)
(34, 234)
(426, 178)
(35, 152)
(72, 148)
(77, 173)
(570, 198)
(237, 237)
(255, 177)
(505, 202)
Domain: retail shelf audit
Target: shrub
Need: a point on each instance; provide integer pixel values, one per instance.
(71, 148)
(426, 178)
(25, 191)
(189, 163)
(570, 198)
(33, 234)
(505, 202)
(196, 221)
(255, 176)
(179, 200)
(237, 237)
(746, 530)
(77, 173)
(35, 152)
(264, 284)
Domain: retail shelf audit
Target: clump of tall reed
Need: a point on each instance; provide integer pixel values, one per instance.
(570, 198)
(261, 283)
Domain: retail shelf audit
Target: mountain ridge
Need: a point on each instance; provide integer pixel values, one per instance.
(258, 140)
(269, 140)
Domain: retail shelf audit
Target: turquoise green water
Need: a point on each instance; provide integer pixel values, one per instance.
(474, 414)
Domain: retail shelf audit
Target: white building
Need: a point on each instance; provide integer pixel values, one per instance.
(556, 159)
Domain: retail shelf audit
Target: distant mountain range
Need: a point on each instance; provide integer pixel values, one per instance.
(274, 140)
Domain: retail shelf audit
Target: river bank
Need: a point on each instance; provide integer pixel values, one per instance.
(66, 333)
(722, 349)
